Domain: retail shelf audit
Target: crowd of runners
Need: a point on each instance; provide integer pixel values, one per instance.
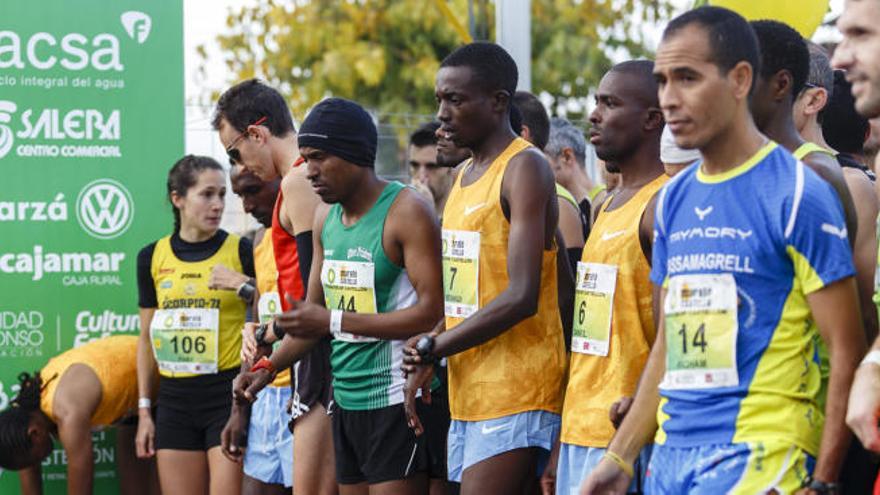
(503, 325)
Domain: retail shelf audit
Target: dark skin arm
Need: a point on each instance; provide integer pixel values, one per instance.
(411, 239)
(528, 195)
(76, 398)
(829, 169)
(565, 289)
(31, 480)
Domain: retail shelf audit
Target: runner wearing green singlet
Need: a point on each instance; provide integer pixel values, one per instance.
(375, 281)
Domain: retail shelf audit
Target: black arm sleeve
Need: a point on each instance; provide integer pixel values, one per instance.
(146, 286)
(304, 252)
(246, 255)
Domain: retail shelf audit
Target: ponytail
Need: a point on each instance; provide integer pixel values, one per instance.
(14, 440)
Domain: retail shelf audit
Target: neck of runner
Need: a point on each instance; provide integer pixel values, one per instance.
(732, 147)
(812, 133)
(494, 144)
(365, 196)
(642, 166)
(193, 234)
(286, 155)
(781, 129)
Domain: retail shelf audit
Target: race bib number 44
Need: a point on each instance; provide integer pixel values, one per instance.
(593, 305)
(349, 286)
(461, 272)
(701, 332)
(185, 340)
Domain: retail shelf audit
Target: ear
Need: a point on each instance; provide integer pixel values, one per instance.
(781, 84)
(741, 76)
(500, 100)
(817, 99)
(654, 120)
(258, 133)
(177, 200)
(525, 133)
(568, 156)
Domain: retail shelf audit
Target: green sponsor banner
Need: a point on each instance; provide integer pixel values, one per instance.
(91, 119)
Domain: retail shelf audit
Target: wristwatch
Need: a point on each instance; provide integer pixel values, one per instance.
(260, 334)
(820, 487)
(425, 347)
(246, 291)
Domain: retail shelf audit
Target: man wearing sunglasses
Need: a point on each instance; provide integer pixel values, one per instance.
(255, 126)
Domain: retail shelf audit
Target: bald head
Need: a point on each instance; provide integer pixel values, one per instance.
(641, 82)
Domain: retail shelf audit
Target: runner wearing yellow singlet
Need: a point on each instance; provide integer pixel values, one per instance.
(87, 387)
(503, 333)
(613, 314)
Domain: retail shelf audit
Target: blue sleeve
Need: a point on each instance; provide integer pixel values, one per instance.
(658, 250)
(816, 238)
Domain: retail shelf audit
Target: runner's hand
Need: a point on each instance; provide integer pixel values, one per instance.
(248, 344)
(606, 479)
(248, 383)
(304, 319)
(548, 479)
(864, 406)
(146, 434)
(618, 411)
(418, 379)
(223, 278)
(233, 439)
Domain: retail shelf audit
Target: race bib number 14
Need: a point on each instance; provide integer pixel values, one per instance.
(701, 332)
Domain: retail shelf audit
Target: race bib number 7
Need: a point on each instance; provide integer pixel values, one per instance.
(185, 340)
(701, 332)
(349, 286)
(461, 272)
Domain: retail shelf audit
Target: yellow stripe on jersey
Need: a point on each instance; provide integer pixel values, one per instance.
(787, 364)
(807, 148)
(183, 284)
(482, 380)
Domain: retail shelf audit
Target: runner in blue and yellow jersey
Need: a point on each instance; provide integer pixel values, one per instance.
(750, 246)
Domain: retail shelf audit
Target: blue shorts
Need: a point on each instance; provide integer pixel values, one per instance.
(737, 468)
(577, 462)
(269, 454)
(473, 441)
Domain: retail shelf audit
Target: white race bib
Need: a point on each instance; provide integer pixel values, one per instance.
(593, 308)
(461, 272)
(185, 340)
(349, 286)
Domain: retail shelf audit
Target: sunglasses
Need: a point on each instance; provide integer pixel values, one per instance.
(232, 152)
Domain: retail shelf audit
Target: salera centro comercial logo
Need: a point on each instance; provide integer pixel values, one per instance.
(104, 209)
(7, 108)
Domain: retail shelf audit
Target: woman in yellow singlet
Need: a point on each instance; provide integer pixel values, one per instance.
(191, 333)
(91, 386)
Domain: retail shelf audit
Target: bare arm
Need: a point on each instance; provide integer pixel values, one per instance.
(31, 480)
(146, 372)
(835, 310)
(529, 187)
(76, 399)
(413, 227)
(865, 250)
(570, 225)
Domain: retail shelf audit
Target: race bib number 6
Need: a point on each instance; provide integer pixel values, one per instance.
(349, 286)
(185, 340)
(593, 305)
(701, 332)
(461, 272)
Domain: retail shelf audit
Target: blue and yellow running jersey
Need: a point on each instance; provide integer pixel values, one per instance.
(758, 239)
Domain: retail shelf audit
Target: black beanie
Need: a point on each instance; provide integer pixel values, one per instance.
(341, 128)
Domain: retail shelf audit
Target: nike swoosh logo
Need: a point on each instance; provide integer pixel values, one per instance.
(488, 430)
(470, 209)
(831, 229)
(611, 235)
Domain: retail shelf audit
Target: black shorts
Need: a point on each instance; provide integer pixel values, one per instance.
(191, 412)
(312, 380)
(377, 445)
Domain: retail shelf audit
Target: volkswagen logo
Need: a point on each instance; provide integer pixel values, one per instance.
(104, 209)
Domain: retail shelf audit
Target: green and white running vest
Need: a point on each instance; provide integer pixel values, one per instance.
(358, 277)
